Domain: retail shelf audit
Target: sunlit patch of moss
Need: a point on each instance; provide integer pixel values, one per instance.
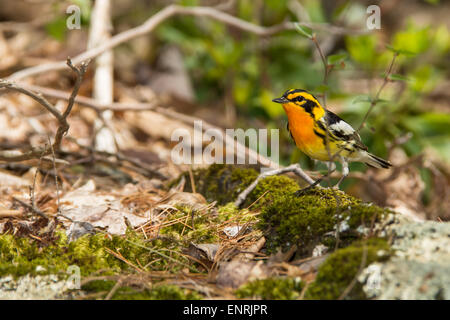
(223, 183)
(339, 270)
(271, 289)
(230, 212)
(157, 292)
(269, 189)
(313, 218)
(20, 256)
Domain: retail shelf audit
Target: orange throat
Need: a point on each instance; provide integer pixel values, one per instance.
(301, 125)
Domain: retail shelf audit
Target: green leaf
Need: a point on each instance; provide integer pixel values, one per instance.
(398, 77)
(337, 58)
(399, 51)
(303, 30)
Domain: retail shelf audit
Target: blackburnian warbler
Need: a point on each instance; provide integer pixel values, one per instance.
(322, 135)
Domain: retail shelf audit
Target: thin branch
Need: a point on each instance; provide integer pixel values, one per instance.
(146, 170)
(355, 279)
(154, 106)
(292, 168)
(31, 208)
(56, 175)
(168, 12)
(36, 96)
(374, 101)
(61, 117)
(326, 67)
(88, 102)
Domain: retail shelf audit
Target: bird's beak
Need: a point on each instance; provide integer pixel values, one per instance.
(280, 100)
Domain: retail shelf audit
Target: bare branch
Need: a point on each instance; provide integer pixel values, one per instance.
(326, 67)
(31, 208)
(61, 117)
(374, 101)
(36, 96)
(168, 12)
(93, 104)
(292, 168)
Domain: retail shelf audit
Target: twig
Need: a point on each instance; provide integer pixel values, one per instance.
(56, 176)
(374, 101)
(113, 290)
(327, 68)
(61, 117)
(33, 188)
(63, 124)
(31, 208)
(292, 168)
(168, 12)
(91, 103)
(355, 279)
(149, 171)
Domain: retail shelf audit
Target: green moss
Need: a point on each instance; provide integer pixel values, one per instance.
(223, 183)
(342, 266)
(20, 256)
(231, 212)
(157, 292)
(313, 217)
(271, 289)
(269, 189)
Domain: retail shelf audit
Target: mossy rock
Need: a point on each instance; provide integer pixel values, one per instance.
(271, 289)
(157, 292)
(219, 182)
(223, 183)
(339, 270)
(21, 256)
(313, 217)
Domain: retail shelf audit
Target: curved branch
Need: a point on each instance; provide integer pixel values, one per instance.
(61, 117)
(168, 12)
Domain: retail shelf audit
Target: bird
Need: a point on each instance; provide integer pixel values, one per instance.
(322, 135)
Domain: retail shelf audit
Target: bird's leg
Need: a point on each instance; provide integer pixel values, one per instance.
(345, 172)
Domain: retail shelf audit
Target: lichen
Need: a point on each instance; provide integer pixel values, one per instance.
(271, 289)
(341, 268)
(313, 218)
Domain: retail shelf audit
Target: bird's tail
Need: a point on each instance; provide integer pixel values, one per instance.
(377, 162)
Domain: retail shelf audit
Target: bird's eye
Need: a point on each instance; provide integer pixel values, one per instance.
(299, 99)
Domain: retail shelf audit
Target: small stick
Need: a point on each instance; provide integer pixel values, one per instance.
(295, 168)
(31, 208)
(377, 96)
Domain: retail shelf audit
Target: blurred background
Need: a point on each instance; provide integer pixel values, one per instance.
(227, 76)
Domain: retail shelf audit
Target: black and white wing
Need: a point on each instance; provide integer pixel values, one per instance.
(341, 130)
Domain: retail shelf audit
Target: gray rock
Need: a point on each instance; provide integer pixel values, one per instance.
(420, 268)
